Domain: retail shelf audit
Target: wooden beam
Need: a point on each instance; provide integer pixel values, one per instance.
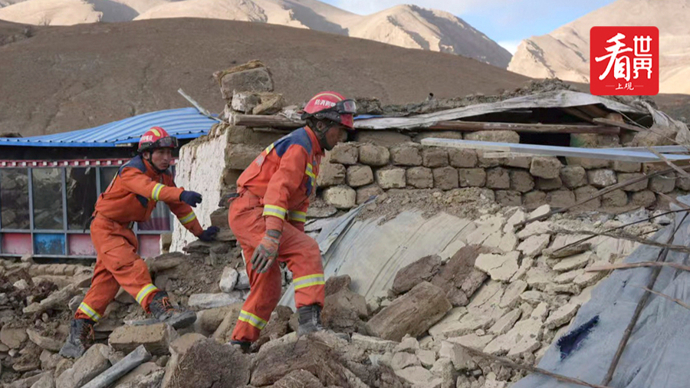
(620, 154)
(275, 121)
(618, 124)
(579, 114)
(470, 126)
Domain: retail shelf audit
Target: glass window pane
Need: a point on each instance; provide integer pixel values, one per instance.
(49, 244)
(14, 198)
(47, 186)
(81, 195)
(107, 175)
(160, 218)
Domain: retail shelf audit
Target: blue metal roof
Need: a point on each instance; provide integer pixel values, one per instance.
(184, 123)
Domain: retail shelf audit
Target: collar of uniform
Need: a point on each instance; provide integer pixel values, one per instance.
(316, 146)
(150, 171)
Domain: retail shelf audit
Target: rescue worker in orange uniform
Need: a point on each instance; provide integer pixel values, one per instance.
(131, 197)
(269, 213)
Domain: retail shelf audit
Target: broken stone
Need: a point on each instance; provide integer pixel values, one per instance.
(421, 270)
(244, 102)
(626, 166)
(345, 153)
(426, 357)
(499, 267)
(91, 364)
(156, 338)
(394, 321)
(406, 155)
(511, 296)
(391, 178)
(206, 363)
(601, 178)
(586, 163)
(644, 198)
(372, 344)
(364, 193)
(46, 381)
(373, 155)
(494, 136)
(251, 77)
(472, 177)
(506, 322)
(568, 277)
(419, 377)
(228, 279)
(663, 183)
(532, 297)
(560, 198)
(434, 157)
(534, 245)
(460, 358)
(209, 301)
(298, 379)
(534, 228)
(462, 158)
(575, 262)
(573, 176)
(446, 178)
(331, 174)
(521, 181)
(48, 343)
(545, 167)
(242, 280)
(533, 199)
(639, 186)
(508, 197)
(539, 278)
(540, 312)
(549, 184)
(586, 279)
(341, 197)
(343, 312)
(497, 178)
(13, 337)
(420, 177)
(403, 360)
(359, 175)
(449, 324)
(562, 316)
(138, 373)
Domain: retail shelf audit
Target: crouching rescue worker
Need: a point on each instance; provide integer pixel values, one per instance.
(269, 213)
(130, 198)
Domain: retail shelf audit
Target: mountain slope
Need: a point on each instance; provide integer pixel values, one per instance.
(405, 26)
(564, 53)
(67, 78)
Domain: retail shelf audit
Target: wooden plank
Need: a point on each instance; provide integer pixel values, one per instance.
(579, 114)
(274, 121)
(614, 123)
(470, 126)
(589, 153)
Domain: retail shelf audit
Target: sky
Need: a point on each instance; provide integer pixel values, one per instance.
(505, 21)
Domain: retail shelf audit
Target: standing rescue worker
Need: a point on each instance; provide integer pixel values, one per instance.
(130, 198)
(269, 213)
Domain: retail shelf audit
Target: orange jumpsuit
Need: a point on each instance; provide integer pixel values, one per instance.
(278, 183)
(130, 197)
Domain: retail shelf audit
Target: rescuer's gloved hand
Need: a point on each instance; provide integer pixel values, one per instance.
(209, 234)
(191, 198)
(267, 251)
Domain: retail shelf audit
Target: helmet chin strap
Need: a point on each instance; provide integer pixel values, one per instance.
(321, 135)
(156, 169)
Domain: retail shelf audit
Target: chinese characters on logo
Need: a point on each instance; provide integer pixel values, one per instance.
(624, 60)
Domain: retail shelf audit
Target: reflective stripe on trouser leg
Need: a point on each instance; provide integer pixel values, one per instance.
(144, 292)
(86, 309)
(252, 319)
(309, 281)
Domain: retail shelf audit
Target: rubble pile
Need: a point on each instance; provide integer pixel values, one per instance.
(505, 291)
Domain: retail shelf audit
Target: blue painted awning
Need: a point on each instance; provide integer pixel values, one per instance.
(184, 123)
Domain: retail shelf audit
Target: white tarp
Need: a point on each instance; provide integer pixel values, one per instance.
(656, 355)
(372, 254)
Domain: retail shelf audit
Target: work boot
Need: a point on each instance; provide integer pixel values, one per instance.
(241, 345)
(309, 319)
(81, 337)
(164, 311)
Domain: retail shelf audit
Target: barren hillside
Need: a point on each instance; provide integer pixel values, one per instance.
(67, 78)
(405, 26)
(564, 53)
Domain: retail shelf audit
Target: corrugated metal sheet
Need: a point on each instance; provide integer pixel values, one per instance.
(184, 123)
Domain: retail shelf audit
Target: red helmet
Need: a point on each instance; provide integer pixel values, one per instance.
(156, 137)
(332, 106)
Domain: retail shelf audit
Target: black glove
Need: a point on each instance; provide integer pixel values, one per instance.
(209, 234)
(191, 198)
